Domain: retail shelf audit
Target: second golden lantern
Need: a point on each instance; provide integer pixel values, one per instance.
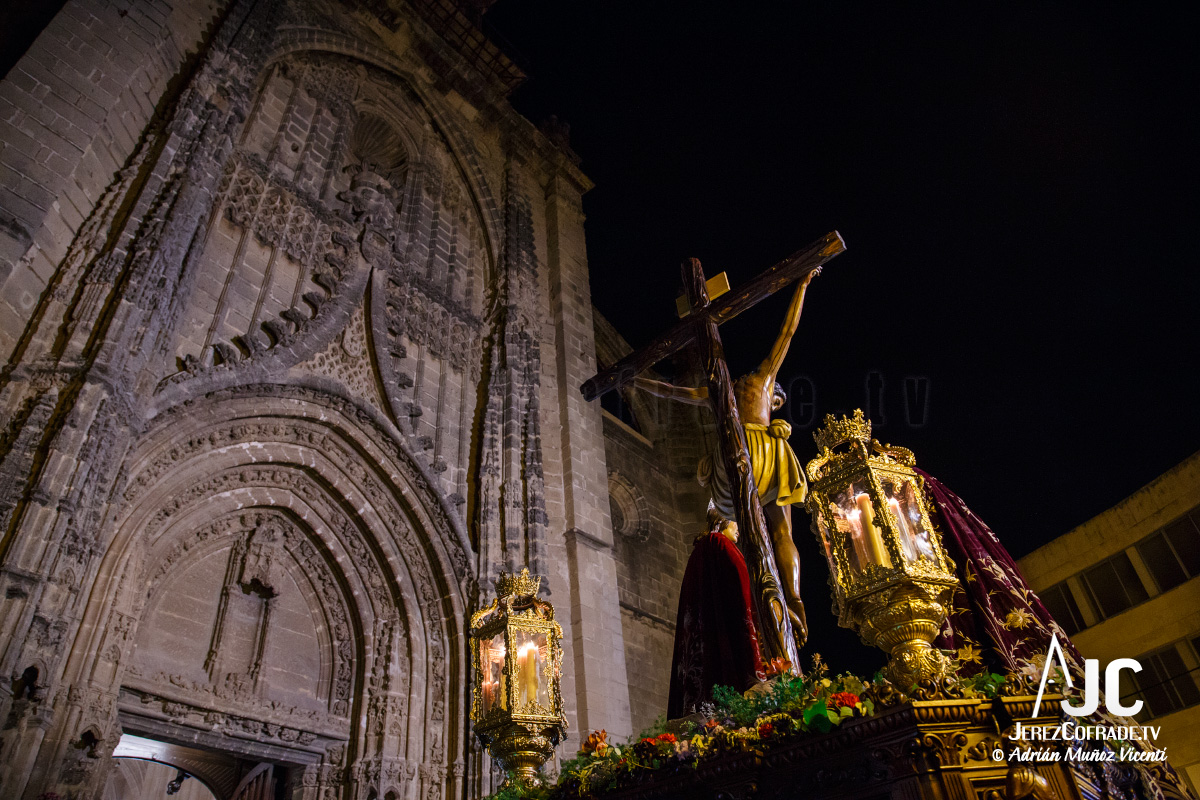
(891, 580)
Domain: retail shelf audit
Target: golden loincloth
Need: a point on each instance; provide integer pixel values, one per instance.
(777, 473)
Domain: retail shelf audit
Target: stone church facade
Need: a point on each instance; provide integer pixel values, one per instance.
(293, 316)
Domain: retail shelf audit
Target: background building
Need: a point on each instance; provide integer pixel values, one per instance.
(1126, 584)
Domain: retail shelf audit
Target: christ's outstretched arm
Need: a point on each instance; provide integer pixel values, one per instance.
(669, 391)
(769, 368)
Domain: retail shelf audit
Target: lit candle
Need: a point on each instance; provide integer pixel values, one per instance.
(493, 660)
(499, 684)
(528, 661)
(876, 550)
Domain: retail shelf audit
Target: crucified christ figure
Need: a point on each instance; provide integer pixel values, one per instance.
(778, 476)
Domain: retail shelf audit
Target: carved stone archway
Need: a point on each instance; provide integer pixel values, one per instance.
(258, 522)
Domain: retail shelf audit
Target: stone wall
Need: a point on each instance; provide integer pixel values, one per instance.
(72, 112)
(295, 309)
(658, 509)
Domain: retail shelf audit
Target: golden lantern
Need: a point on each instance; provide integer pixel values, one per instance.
(891, 580)
(516, 652)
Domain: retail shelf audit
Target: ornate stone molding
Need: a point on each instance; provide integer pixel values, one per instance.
(289, 424)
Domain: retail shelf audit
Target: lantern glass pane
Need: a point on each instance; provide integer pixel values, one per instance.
(915, 540)
(532, 665)
(856, 514)
(491, 658)
(823, 530)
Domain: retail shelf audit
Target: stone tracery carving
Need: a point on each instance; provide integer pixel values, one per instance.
(314, 229)
(429, 242)
(310, 433)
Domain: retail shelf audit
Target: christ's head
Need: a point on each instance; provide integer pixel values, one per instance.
(778, 397)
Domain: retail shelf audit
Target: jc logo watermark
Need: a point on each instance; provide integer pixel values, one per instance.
(1091, 683)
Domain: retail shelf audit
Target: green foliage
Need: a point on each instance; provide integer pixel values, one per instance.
(986, 683)
(816, 717)
(785, 693)
(736, 706)
(685, 728)
(657, 727)
(788, 692)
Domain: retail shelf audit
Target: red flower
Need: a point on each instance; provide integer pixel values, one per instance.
(666, 737)
(646, 748)
(765, 730)
(778, 666)
(844, 699)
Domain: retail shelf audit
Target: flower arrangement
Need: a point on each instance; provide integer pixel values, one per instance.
(783, 707)
(778, 710)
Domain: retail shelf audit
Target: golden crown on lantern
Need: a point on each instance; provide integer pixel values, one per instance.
(839, 431)
(523, 585)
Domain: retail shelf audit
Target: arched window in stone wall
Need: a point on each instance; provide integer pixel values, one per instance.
(628, 508)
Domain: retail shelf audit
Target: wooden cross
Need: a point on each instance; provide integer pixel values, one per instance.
(699, 327)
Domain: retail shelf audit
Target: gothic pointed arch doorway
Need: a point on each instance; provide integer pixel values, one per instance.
(282, 586)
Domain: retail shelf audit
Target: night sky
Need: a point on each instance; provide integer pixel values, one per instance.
(1016, 185)
(1017, 190)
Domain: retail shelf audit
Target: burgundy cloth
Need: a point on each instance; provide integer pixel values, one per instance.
(994, 608)
(715, 639)
(987, 614)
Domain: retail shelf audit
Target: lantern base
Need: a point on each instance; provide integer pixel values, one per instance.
(522, 756)
(902, 622)
(913, 661)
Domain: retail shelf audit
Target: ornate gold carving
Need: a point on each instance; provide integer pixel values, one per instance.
(982, 750)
